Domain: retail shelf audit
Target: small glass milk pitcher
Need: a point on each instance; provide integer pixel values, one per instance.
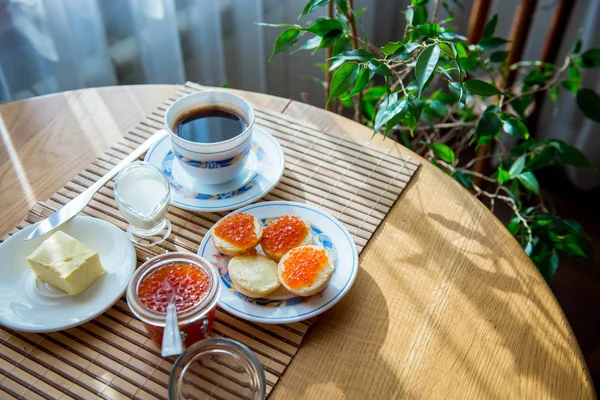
(142, 193)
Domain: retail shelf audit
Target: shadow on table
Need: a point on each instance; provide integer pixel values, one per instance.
(340, 334)
(468, 291)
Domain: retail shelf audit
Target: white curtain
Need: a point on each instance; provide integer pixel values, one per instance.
(47, 46)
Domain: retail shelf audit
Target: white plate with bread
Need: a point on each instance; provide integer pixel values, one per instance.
(280, 262)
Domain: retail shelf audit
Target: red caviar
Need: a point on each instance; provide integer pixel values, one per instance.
(283, 234)
(237, 229)
(303, 265)
(186, 283)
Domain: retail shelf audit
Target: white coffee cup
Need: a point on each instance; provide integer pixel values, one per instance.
(217, 162)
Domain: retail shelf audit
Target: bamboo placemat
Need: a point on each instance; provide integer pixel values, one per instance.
(111, 356)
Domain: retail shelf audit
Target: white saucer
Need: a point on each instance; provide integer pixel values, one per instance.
(282, 307)
(28, 304)
(263, 170)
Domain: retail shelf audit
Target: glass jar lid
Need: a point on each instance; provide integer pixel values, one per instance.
(185, 317)
(217, 368)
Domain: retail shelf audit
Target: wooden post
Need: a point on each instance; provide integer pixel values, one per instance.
(477, 20)
(556, 32)
(518, 36)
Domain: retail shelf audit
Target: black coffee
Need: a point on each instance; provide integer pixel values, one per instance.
(209, 124)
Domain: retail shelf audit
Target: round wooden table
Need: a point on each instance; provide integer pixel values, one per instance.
(446, 303)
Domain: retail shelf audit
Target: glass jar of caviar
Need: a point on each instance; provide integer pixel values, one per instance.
(189, 281)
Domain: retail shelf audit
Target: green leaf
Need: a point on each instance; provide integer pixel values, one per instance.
(541, 159)
(404, 50)
(514, 226)
(442, 151)
(591, 58)
(278, 25)
(311, 6)
(389, 109)
(426, 63)
(310, 44)
(285, 40)
(554, 93)
(379, 68)
(343, 78)
(588, 102)
(410, 47)
(577, 45)
(409, 15)
(481, 88)
(489, 43)
(429, 30)
(575, 227)
(521, 104)
(469, 62)
(329, 40)
(574, 74)
(346, 101)
(572, 156)
(415, 107)
(534, 77)
(324, 26)
(463, 179)
(574, 83)
(514, 126)
(502, 175)
(391, 47)
(374, 93)
(461, 49)
(572, 87)
(342, 5)
(359, 55)
(529, 181)
(419, 2)
(340, 46)
(367, 109)
(490, 27)
(457, 90)
(449, 35)
(488, 126)
(499, 56)
(437, 109)
(343, 18)
(547, 264)
(517, 167)
(362, 79)
(448, 48)
(575, 246)
(420, 15)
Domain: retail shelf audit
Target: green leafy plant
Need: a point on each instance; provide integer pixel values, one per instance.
(445, 99)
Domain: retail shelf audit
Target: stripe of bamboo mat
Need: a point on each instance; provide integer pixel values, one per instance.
(111, 356)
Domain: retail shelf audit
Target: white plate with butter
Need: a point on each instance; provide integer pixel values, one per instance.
(29, 304)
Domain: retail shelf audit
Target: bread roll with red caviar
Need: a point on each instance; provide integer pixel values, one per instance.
(237, 234)
(254, 275)
(283, 234)
(306, 270)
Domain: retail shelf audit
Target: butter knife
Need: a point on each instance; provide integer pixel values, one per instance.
(76, 205)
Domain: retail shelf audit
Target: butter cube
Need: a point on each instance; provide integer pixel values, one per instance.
(65, 263)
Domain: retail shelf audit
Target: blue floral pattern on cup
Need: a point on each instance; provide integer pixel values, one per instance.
(167, 168)
(214, 164)
(319, 238)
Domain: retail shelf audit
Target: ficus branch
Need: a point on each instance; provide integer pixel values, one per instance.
(547, 86)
